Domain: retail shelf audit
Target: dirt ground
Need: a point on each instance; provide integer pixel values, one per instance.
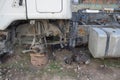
(19, 67)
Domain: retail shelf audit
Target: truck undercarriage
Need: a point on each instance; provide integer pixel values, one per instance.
(38, 34)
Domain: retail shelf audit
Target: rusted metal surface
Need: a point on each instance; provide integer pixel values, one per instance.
(38, 60)
(100, 1)
(96, 4)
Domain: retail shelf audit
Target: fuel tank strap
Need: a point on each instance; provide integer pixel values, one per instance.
(107, 43)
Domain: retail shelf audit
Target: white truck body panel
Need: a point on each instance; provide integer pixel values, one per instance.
(60, 9)
(10, 10)
(47, 6)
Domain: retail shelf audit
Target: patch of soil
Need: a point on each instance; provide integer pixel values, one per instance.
(19, 67)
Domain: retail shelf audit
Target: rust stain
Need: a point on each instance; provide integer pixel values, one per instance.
(81, 32)
(38, 60)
